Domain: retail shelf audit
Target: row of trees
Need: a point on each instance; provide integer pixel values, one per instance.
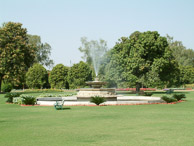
(142, 59)
(59, 77)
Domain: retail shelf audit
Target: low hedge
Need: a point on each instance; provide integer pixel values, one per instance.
(168, 99)
(10, 96)
(179, 96)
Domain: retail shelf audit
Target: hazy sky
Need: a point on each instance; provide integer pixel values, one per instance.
(62, 23)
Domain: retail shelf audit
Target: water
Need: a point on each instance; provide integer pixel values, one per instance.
(97, 51)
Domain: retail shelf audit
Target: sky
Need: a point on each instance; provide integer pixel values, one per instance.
(61, 23)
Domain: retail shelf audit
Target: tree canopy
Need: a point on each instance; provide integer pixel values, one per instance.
(78, 74)
(37, 76)
(43, 51)
(16, 54)
(58, 77)
(184, 56)
(141, 59)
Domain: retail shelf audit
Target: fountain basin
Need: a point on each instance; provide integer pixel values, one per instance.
(86, 94)
(96, 83)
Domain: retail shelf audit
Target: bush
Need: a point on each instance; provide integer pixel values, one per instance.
(37, 77)
(6, 87)
(28, 99)
(148, 93)
(10, 96)
(17, 100)
(179, 96)
(97, 100)
(168, 99)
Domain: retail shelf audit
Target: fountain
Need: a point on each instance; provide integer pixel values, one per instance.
(96, 90)
(84, 95)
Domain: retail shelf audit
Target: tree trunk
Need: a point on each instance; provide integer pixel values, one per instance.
(138, 85)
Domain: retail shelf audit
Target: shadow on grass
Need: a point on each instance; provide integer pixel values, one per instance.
(64, 108)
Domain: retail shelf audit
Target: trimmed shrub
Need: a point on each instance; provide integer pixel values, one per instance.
(168, 99)
(148, 93)
(58, 77)
(97, 100)
(28, 99)
(179, 96)
(6, 87)
(78, 74)
(37, 77)
(10, 96)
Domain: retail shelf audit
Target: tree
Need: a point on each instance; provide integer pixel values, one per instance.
(58, 77)
(37, 76)
(186, 75)
(184, 56)
(16, 55)
(185, 59)
(79, 74)
(142, 59)
(43, 51)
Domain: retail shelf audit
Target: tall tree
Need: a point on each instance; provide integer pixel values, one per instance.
(43, 51)
(185, 59)
(184, 56)
(58, 77)
(16, 54)
(143, 58)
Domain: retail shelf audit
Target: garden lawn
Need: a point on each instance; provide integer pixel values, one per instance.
(136, 125)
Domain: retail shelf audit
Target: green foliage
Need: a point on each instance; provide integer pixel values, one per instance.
(58, 77)
(97, 100)
(28, 99)
(179, 96)
(186, 75)
(189, 86)
(168, 99)
(184, 56)
(10, 96)
(185, 59)
(43, 51)
(16, 55)
(142, 59)
(169, 91)
(148, 93)
(79, 74)
(37, 76)
(7, 87)
(17, 100)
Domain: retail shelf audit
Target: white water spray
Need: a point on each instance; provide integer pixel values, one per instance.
(97, 51)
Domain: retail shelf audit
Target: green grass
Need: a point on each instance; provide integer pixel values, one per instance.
(135, 125)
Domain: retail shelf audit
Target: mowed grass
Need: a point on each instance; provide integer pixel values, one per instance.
(135, 125)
